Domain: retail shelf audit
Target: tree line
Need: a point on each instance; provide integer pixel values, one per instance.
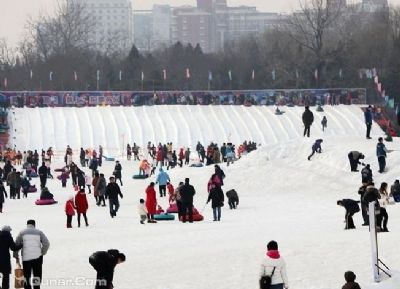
(319, 46)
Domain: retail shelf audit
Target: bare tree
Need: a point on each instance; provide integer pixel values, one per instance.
(7, 54)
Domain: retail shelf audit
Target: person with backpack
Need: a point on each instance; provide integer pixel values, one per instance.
(351, 208)
(366, 174)
(308, 119)
(104, 262)
(316, 148)
(273, 269)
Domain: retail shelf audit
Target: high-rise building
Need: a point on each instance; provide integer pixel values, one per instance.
(112, 28)
(192, 25)
(152, 28)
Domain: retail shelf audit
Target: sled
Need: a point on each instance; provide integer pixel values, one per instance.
(140, 177)
(45, 202)
(197, 165)
(59, 170)
(34, 175)
(173, 209)
(109, 159)
(196, 217)
(164, 217)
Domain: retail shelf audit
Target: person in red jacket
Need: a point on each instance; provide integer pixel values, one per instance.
(159, 157)
(171, 192)
(151, 203)
(70, 211)
(81, 206)
(181, 157)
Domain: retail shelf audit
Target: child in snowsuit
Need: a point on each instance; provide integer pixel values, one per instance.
(233, 199)
(64, 176)
(70, 211)
(171, 192)
(142, 211)
(315, 148)
(350, 278)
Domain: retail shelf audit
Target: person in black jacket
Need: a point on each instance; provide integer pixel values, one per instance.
(118, 172)
(354, 158)
(6, 244)
(216, 196)
(81, 179)
(366, 174)
(187, 192)
(308, 119)
(3, 195)
(112, 192)
(7, 169)
(233, 199)
(364, 205)
(43, 175)
(82, 156)
(351, 207)
(350, 278)
(104, 263)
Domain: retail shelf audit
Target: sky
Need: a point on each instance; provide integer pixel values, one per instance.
(15, 12)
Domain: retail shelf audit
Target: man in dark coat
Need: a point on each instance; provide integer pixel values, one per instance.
(118, 172)
(368, 121)
(308, 119)
(351, 207)
(81, 179)
(82, 157)
(6, 244)
(43, 175)
(187, 192)
(7, 169)
(112, 193)
(3, 195)
(94, 163)
(381, 154)
(364, 205)
(104, 263)
(366, 175)
(354, 158)
(216, 196)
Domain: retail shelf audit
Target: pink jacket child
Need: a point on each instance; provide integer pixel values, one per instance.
(70, 211)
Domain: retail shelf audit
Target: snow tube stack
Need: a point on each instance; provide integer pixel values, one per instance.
(45, 202)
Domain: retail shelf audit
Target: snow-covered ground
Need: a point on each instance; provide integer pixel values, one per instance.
(282, 197)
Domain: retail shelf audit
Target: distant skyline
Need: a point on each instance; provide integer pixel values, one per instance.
(16, 12)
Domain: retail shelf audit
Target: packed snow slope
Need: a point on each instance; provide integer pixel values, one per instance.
(283, 196)
(114, 127)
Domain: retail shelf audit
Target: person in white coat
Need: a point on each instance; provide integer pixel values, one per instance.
(273, 262)
(142, 211)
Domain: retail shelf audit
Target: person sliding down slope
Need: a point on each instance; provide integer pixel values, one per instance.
(316, 148)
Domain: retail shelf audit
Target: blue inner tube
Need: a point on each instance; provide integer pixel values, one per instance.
(164, 217)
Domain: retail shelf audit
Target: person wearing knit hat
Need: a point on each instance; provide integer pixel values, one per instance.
(6, 244)
(350, 278)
